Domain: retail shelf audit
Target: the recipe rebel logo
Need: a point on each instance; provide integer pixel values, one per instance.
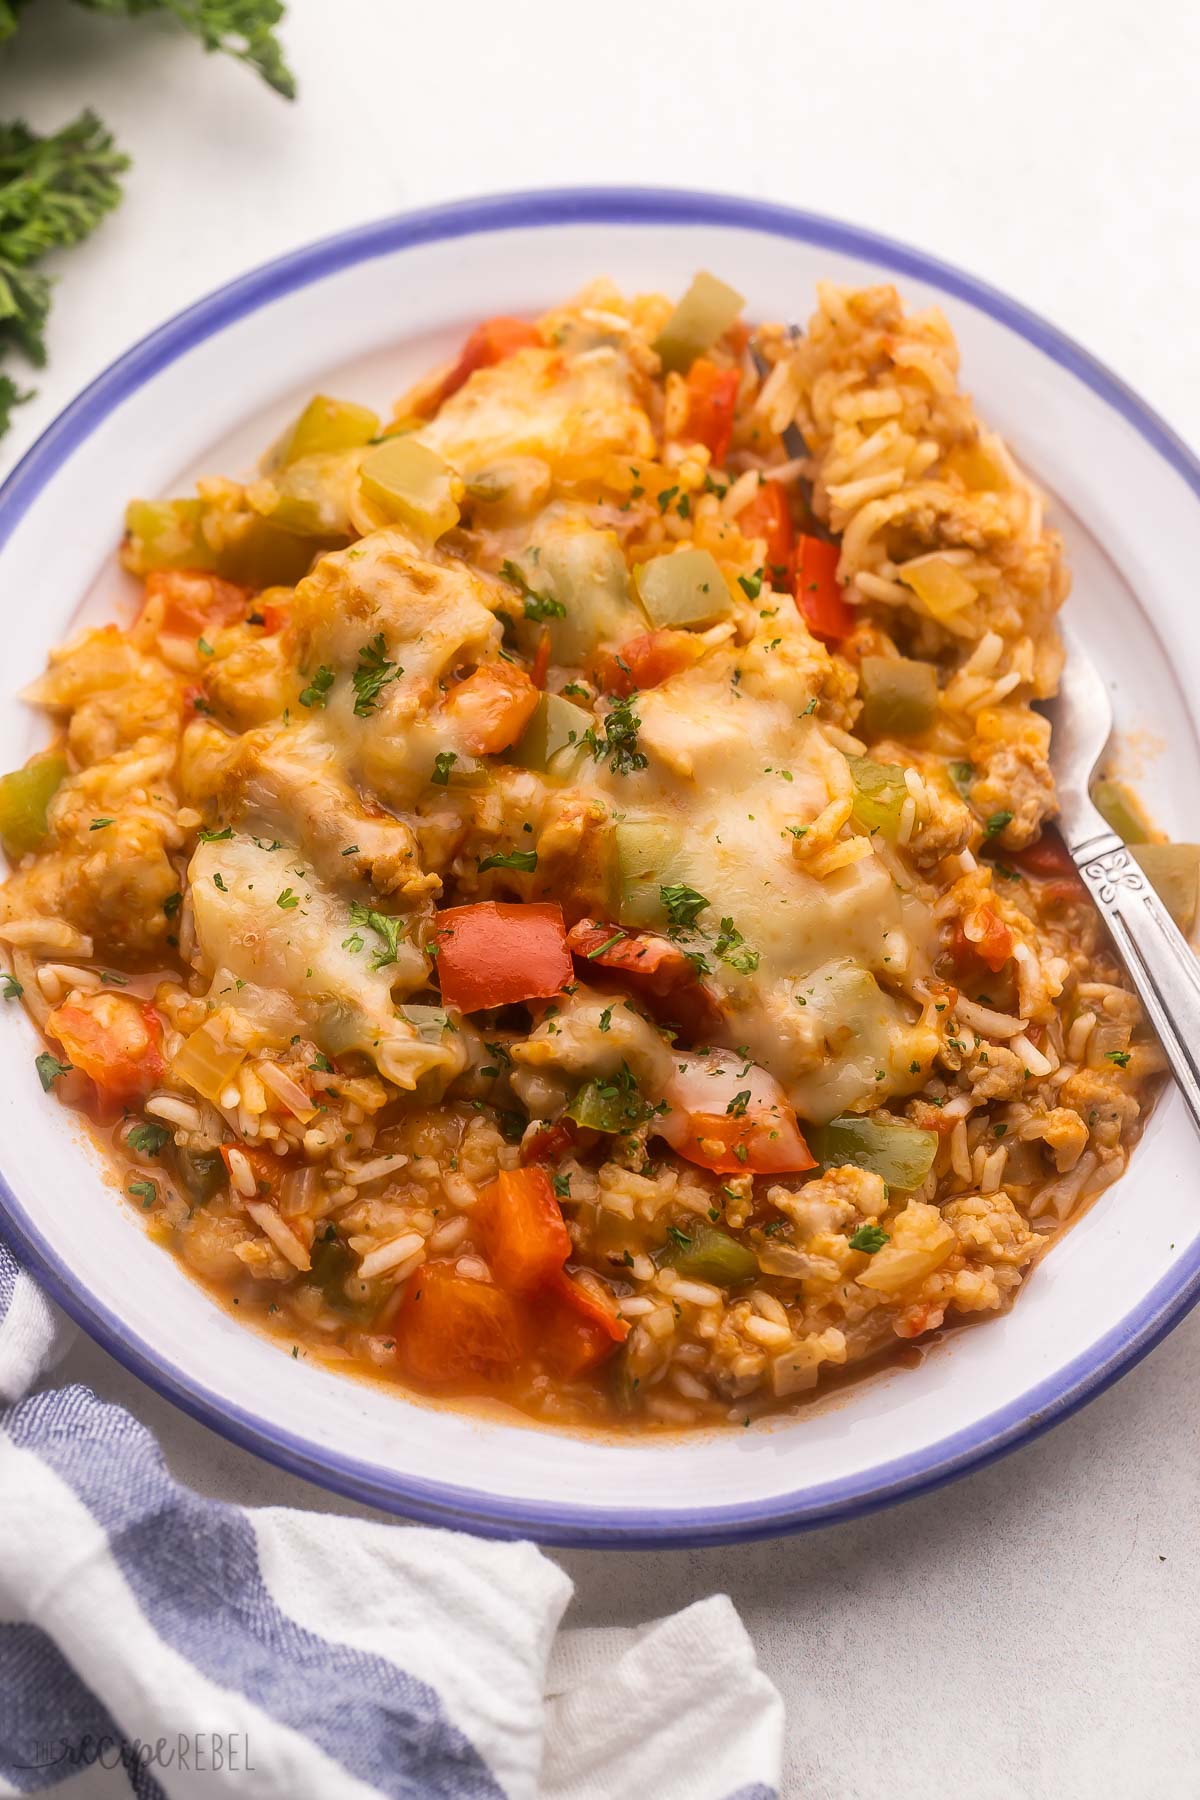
(197, 1752)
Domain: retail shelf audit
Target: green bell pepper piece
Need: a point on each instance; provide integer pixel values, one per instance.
(709, 1254)
(553, 741)
(323, 428)
(684, 588)
(901, 1154)
(879, 795)
(707, 309)
(24, 797)
(899, 696)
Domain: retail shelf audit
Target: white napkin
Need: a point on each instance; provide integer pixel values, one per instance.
(182, 1646)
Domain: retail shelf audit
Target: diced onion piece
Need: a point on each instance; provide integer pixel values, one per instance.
(707, 309)
(684, 588)
(942, 588)
(413, 484)
(207, 1060)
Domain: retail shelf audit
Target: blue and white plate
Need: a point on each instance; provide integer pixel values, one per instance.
(360, 314)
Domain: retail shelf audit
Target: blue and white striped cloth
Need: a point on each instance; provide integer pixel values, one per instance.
(157, 1641)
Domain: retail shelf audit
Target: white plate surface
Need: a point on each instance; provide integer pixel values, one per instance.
(360, 315)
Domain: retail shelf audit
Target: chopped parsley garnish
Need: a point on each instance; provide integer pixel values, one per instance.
(500, 1053)
(171, 904)
(148, 1140)
(996, 824)
(12, 988)
(443, 762)
(683, 905)
(99, 824)
(287, 899)
(145, 1191)
(537, 606)
(372, 675)
(679, 1238)
(350, 850)
(386, 928)
(219, 883)
(733, 949)
(320, 1064)
(665, 498)
(1120, 1057)
(49, 1069)
(620, 742)
(962, 774)
(318, 688)
(751, 585)
(737, 1106)
(577, 688)
(524, 860)
(263, 844)
(215, 837)
(869, 1238)
(205, 649)
(607, 945)
(561, 1185)
(606, 1019)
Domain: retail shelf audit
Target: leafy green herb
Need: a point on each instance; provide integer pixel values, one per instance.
(12, 988)
(1120, 1057)
(387, 929)
(607, 945)
(145, 1191)
(680, 1238)
(316, 693)
(733, 949)
(372, 675)
(99, 824)
(751, 585)
(561, 1185)
(148, 1139)
(605, 1021)
(54, 191)
(665, 498)
(962, 774)
(525, 860)
(443, 762)
(241, 28)
(537, 605)
(49, 1069)
(500, 1054)
(214, 837)
(737, 1106)
(219, 883)
(869, 1238)
(171, 904)
(320, 1064)
(683, 905)
(620, 740)
(996, 824)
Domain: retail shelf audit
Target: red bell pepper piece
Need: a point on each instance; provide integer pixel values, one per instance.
(818, 596)
(496, 953)
(451, 1330)
(712, 398)
(521, 1226)
(766, 516)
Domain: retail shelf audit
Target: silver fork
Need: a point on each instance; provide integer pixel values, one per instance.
(1159, 961)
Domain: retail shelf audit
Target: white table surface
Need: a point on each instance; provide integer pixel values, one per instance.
(1030, 1631)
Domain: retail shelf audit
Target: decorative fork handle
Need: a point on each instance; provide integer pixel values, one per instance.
(1160, 962)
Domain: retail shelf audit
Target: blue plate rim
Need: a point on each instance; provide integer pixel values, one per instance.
(1008, 1427)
